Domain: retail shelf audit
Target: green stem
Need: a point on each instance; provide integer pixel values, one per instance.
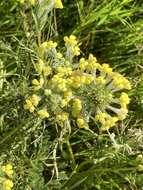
(73, 163)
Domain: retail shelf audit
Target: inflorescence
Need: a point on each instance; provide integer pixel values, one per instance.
(71, 91)
(6, 175)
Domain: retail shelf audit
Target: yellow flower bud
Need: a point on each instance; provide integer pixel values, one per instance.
(51, 45)
(35, 99)
(8, 184)
(89, 79)
(80, 122)
(83, 64)
(8, 169)
(47, 70)
(100, 80)
(39, 66)
(29, 106)
(71, 40)
(62, 117)
(58, 4)
(76, 51)
(35, 82)
(38, 84)
(64, 103)
(43, 113)
(47, 92)
(106, 69)
(124, 100)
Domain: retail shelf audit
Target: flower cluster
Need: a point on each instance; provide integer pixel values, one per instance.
(79, 92)
(6, 173)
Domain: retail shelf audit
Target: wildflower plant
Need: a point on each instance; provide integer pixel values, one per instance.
(59, 107)
(71, 91)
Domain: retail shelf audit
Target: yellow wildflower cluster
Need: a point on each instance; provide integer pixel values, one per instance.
(59, 82)
(77, 91)
(7, 169)
(5, 180)
(120, 82)
(106, 120)
(72, 45)
(49, 45)
(7, 184)
(44, 68)
(31, 103)
(62, 117)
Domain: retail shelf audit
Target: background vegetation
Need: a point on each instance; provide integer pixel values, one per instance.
(113, 31)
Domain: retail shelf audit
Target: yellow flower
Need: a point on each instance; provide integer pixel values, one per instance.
(51, 45)
(83, 79)
(7, 169)
(71, 40)
(92, 63)
(43, 113)
(39, 66)
(35, 99)
(47, 92)
(77, 104)
(31, 103)
(62, 70)
(76, 51)
(121, 82)
(38, 84)
(47, 45)
(33, 2)
(8, 184)
(81, 123)
(83, 64)
(110, 122)
(29, 106)
(47, 70)
(89, 79)
(106, 69)
(100, 80)
(124, 100)
(64, 103)
(62, 117)
(76, 107)
(58, 4)
(68, 94)
(101, 117)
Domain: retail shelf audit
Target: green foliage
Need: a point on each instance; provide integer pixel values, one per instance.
(44, 159)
